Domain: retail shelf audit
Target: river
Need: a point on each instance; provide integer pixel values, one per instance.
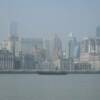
(49, 87)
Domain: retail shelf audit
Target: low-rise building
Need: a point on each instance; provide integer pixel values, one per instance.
(6, 60)
(67, 64)
(90, 52)
(82, 67)
(27, 62)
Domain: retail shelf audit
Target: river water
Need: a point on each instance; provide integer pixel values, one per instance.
(49, 87)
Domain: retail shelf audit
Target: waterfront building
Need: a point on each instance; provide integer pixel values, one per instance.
(6, 60)
(27, 62)
(82, 67)
(11, 44)
(90, 52)
(67, 64)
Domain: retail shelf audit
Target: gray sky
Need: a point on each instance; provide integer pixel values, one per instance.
(43, 18)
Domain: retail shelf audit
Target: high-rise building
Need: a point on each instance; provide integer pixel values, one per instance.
(13, 29)
(77, 51)
(31, 45)
(48, 48)
(30, 51)
(98, 32)
(13, 39)
(57, 54)
(57, 48)
(72, 43)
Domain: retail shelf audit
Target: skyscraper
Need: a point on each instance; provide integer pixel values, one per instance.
(72, 45)
(13, 38)
(57, 52)
(98, 32)
(13, 29)
(57, 48)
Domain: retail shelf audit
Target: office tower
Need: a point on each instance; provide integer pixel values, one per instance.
(57, 52)
(57, 48)
(48, 48)
(13, 39)
(30, 51)
(98, 32)
(31, 45)
(72, 43)
(13, 44)
(77, 51)
(13, 29)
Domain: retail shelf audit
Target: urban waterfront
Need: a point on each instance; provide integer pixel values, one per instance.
(46, 87)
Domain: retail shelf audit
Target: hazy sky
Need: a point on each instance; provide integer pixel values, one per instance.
(46, 17)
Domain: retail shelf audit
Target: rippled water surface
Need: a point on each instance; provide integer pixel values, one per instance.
(52, 87)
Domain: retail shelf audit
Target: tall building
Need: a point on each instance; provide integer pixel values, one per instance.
(77, 51)
(98, 32)
(57, 52)
(48, 48)
(30, 45)
(13, 29)
(30, 51)
(72, 43)
(13, 39)
(13, 43)
(57, 48)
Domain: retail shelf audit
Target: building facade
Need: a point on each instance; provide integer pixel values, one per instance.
(6, 60)
(90, 52)
(67, 64)
(27, 62)
(82, 67)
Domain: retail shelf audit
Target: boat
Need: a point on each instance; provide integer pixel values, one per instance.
(52, 72)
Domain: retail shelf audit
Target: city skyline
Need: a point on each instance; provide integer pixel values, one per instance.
(13, 31)
(44, 18)
(49, 49)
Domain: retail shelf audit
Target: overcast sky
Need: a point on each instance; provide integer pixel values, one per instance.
(43, 18)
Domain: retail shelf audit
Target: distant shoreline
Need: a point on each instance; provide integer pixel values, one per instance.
(48, 72)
